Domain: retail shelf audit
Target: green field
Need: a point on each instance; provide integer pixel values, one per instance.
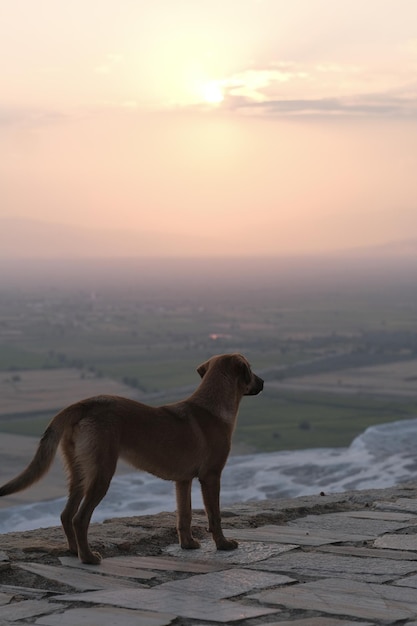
(289, 421)
(284, 421)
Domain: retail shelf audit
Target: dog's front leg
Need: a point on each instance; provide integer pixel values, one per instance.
(210, 487)
(184, 515)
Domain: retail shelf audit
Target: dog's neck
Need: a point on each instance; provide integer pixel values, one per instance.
(226, 414)
(220, 399)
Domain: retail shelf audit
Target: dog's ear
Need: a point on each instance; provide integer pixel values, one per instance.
(244, 369)
(202, 369)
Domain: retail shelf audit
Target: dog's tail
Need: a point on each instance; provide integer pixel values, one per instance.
(44, 455)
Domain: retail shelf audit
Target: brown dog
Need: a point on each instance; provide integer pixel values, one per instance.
(178, 442)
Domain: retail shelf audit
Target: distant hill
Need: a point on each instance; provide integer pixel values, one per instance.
(406, 247)
(24, 238)
(29, 238)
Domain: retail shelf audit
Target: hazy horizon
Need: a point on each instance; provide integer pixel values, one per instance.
(22, 238)
(213, 278)
(245, 128)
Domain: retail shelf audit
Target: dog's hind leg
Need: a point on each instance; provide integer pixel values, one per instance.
(210, 488)
(75, 497)
(95, 492)
(76, 494)
(184, 515)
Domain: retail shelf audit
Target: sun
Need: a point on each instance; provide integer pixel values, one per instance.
(212, 92)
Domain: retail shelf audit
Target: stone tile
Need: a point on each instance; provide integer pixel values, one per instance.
(317, 564)
(346, 597)
(222, 585)
(397, 542)
(248, 552)
(400, 505)
(299, 536)
(373, 553)
(109, 567)
(27, 609)
(172, 602)
(349, 524)
(26, 592)
(321, 621)
(84, 581)
(187, 561)
(5, 598)
(409, 581)
(107, 616)
(389, 516)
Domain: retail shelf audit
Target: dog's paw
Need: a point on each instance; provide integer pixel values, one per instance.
(93, 558)
(192, 544)
(227, 544)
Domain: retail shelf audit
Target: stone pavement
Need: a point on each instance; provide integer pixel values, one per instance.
(334, 562)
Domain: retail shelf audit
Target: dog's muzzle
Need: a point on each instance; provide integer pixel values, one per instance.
(256, 387)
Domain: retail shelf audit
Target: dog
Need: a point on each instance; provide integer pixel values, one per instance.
(179, 442)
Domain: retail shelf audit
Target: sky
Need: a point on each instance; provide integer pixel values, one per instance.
(208, 127)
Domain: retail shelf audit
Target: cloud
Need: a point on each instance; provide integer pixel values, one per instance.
(257, 84)
(365, 105)
(322, 89)
(29, 118)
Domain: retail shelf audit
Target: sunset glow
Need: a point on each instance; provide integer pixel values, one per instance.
(220, 128)
(212, 92)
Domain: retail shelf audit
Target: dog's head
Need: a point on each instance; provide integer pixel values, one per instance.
(237, 366)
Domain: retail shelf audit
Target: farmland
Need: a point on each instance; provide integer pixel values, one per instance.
(337, 356)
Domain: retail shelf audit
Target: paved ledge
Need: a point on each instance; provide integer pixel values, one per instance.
(328, 560)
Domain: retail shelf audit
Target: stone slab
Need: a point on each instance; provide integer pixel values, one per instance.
(397, 542)
(248, 552)
(389, 516)
(222, 585)
(26, 592)
(83, 581)
(373, 553)
(349, 524)
(188, 561)
(409, 581)
(400, 505)
(348, 598)
(107, 616)
(321, 621)
(27, 609)
(172, 602)
(5, 598)
(316, 564)
(299, 536)
(109, 567)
